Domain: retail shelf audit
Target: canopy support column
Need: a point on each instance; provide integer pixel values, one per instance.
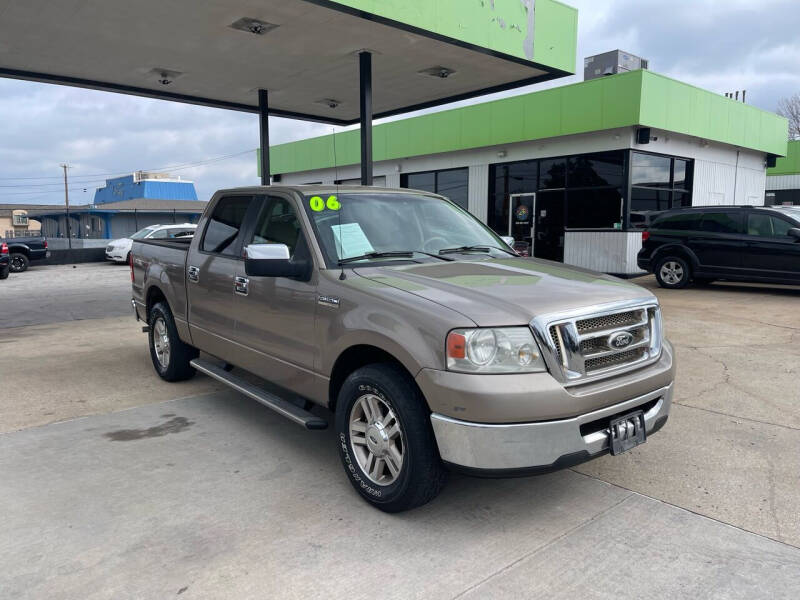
(365, 101)
(263, 124)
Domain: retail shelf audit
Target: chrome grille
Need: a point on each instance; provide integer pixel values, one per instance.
(581, 347)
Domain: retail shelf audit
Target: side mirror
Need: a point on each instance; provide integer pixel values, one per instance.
(794, 232)
(508, 240)
(273, 260)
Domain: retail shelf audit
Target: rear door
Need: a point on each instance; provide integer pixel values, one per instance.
(211, 267)
(771, 251)
(721, 242)
(275, 316)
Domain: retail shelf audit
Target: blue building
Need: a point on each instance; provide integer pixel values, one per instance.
(125, 205)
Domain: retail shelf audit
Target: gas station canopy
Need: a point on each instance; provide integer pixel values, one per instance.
(304, 52)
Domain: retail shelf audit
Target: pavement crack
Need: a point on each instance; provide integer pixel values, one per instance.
(737, 417)
(546, 545)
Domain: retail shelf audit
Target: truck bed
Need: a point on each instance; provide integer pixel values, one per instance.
(162, 261)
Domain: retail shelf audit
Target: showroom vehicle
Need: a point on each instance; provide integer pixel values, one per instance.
(5, 261)
(119, 250)
(23, 250)
(736, 243)
(433, 344)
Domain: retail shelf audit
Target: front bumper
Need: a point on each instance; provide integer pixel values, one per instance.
(491, 449)
(115, 256)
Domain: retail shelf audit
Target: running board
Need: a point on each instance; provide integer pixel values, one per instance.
(279, 405)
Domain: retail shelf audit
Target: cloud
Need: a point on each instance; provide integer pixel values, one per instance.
(720, 45)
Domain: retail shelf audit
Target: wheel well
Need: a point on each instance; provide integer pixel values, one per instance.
(19, 250)
(350, 360)
(154, 295)
(675, 251)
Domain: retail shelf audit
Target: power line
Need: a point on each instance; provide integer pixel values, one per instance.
(177, 167)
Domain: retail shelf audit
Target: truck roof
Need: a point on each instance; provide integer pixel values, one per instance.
(321, 189)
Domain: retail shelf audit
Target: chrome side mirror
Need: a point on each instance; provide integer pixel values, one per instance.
(273, 260)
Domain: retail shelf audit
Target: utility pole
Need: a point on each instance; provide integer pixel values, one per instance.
(65, 166)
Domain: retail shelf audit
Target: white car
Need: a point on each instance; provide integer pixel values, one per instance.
(119, 250)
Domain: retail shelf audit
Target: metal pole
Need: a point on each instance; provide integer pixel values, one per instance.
(263, 124)
(365, 101)
(65, 166)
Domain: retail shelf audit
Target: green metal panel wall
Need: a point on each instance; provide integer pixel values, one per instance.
(548, 35)
(790, 164)
(627, 99)
(674, 106)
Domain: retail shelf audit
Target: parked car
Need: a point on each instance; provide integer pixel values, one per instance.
(24, 250)
(5, 261)
(119, 250)
(736, 243)
(436, 347)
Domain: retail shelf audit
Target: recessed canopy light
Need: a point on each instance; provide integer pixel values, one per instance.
(329, 102)
(437, 71)
(164, 76)
(254, 26)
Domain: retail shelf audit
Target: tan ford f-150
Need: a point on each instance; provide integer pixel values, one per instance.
(432, 343)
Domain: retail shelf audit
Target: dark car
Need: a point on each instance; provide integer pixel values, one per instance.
(5, 260)
(741, 243)
(23, 250)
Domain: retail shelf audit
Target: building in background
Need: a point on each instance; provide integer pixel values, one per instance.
(14, 220)
(125, 205)
(783, 180)
(572, 171)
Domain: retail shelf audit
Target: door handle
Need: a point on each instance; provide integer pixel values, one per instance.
(240, 285)
(193, 274)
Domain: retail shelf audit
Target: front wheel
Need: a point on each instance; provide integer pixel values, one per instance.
(19, 263)
(385, 439)
(170, 356)
(673, 272)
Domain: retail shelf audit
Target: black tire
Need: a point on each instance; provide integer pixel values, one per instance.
(4, 272)
(19, 263)
(421, 475)
(176, 366)
(673, 272)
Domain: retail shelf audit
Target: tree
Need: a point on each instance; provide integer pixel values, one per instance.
(790, 108)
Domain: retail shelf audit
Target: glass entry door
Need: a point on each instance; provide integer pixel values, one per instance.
(520, 221)
(549, 226)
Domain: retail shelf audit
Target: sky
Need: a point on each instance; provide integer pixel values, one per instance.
(719, 45)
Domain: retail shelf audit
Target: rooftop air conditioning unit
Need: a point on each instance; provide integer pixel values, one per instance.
(611, 63)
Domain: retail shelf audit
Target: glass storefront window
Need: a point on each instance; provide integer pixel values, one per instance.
(451, 183)
(553, 173)
(645, 199)
(594, 208)
(595, 170)
(650, 170)
(680, 174)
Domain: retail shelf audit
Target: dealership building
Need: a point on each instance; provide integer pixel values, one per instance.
(783, 180)
(571, 172)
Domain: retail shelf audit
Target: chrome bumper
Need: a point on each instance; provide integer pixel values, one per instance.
(542, 446)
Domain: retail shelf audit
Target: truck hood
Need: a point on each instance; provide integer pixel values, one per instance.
(506, 291)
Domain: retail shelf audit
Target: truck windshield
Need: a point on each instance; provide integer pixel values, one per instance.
(389, 226)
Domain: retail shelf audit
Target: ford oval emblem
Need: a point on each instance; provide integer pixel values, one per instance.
(619, 340)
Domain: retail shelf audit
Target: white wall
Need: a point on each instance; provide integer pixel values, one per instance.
(783, 182)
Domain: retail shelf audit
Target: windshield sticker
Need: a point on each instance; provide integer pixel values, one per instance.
(317, 204)
(351, 240)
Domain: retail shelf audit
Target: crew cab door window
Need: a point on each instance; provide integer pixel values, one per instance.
(223, 233)
(278, 224)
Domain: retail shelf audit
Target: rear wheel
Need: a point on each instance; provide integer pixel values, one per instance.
(170, 355)
(385, 439)
(673, 272)
(19, 263)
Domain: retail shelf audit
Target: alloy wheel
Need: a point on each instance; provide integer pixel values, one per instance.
(376, 439)
(672, 272)
(161, 342)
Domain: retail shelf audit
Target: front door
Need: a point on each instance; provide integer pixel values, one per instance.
(549, 226)
(771, 251)
(275, 317)
(211, 267)
(520, 221)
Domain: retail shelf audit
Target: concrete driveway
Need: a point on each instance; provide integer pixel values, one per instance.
(151, 490)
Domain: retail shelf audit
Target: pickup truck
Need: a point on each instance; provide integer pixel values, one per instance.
(23, 250)
(433, 345)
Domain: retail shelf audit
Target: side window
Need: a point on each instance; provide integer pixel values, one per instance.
(678, 222)
(767, 226)
(278, 224)
(722, 222)
(159, 235)
(224, 225)
(178, 233)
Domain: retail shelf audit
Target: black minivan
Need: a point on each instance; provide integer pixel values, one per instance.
(737, 243)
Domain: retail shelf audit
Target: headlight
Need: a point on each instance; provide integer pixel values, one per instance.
(493, 350)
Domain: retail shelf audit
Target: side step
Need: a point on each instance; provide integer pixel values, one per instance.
(279, 405)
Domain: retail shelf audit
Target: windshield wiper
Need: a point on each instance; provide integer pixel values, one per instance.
(390, 254)
(477, 248)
